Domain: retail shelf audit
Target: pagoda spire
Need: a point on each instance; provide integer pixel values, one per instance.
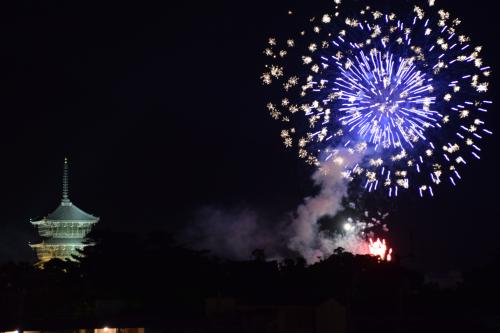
(65, 191)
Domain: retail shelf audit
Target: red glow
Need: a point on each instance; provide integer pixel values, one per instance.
(379, 249)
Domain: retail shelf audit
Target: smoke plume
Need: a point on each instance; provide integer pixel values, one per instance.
(307, 239)
(236, 233)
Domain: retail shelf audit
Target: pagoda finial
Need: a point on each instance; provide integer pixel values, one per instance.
(65, 196)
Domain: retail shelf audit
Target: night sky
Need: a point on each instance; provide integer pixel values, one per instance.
(160, 109)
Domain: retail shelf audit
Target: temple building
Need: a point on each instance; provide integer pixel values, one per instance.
(64, 231)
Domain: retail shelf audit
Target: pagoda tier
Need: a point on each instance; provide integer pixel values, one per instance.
(58, 248)
(63, 231)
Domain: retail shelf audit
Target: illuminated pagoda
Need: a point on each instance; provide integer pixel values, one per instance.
(63, 231)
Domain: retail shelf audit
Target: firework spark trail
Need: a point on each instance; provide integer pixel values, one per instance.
(408, 92)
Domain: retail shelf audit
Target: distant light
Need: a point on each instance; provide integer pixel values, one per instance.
(105, 328)
(348, 227)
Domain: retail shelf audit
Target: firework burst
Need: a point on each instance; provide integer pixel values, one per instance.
(405, 91)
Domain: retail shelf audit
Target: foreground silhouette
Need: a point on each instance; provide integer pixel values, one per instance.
(131, 280)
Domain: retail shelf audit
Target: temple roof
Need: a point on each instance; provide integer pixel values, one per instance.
(62, 241)
(66, 211)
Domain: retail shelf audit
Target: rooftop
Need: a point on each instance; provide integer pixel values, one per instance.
(66, 211)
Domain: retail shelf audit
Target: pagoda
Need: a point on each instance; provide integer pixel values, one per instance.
(63, 231)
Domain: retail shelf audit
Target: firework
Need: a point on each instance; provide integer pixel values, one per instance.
(357, 236)
(407, 91)
(380, 249)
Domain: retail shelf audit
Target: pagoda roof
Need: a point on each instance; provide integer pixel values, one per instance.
(66, 211)
(62, 241)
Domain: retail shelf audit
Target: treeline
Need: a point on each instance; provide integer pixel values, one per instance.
(131, 279)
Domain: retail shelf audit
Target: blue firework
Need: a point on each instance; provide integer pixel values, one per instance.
(384, 99)
(404, 93)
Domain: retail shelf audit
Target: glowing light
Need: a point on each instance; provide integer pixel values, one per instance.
(379, 249)
(348, 227)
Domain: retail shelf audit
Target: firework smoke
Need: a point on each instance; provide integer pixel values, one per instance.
(236, 233)
(307, 239)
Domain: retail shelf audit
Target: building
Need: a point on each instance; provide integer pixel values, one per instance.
(64, 231)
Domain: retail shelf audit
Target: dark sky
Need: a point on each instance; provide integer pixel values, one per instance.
(160, 109)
